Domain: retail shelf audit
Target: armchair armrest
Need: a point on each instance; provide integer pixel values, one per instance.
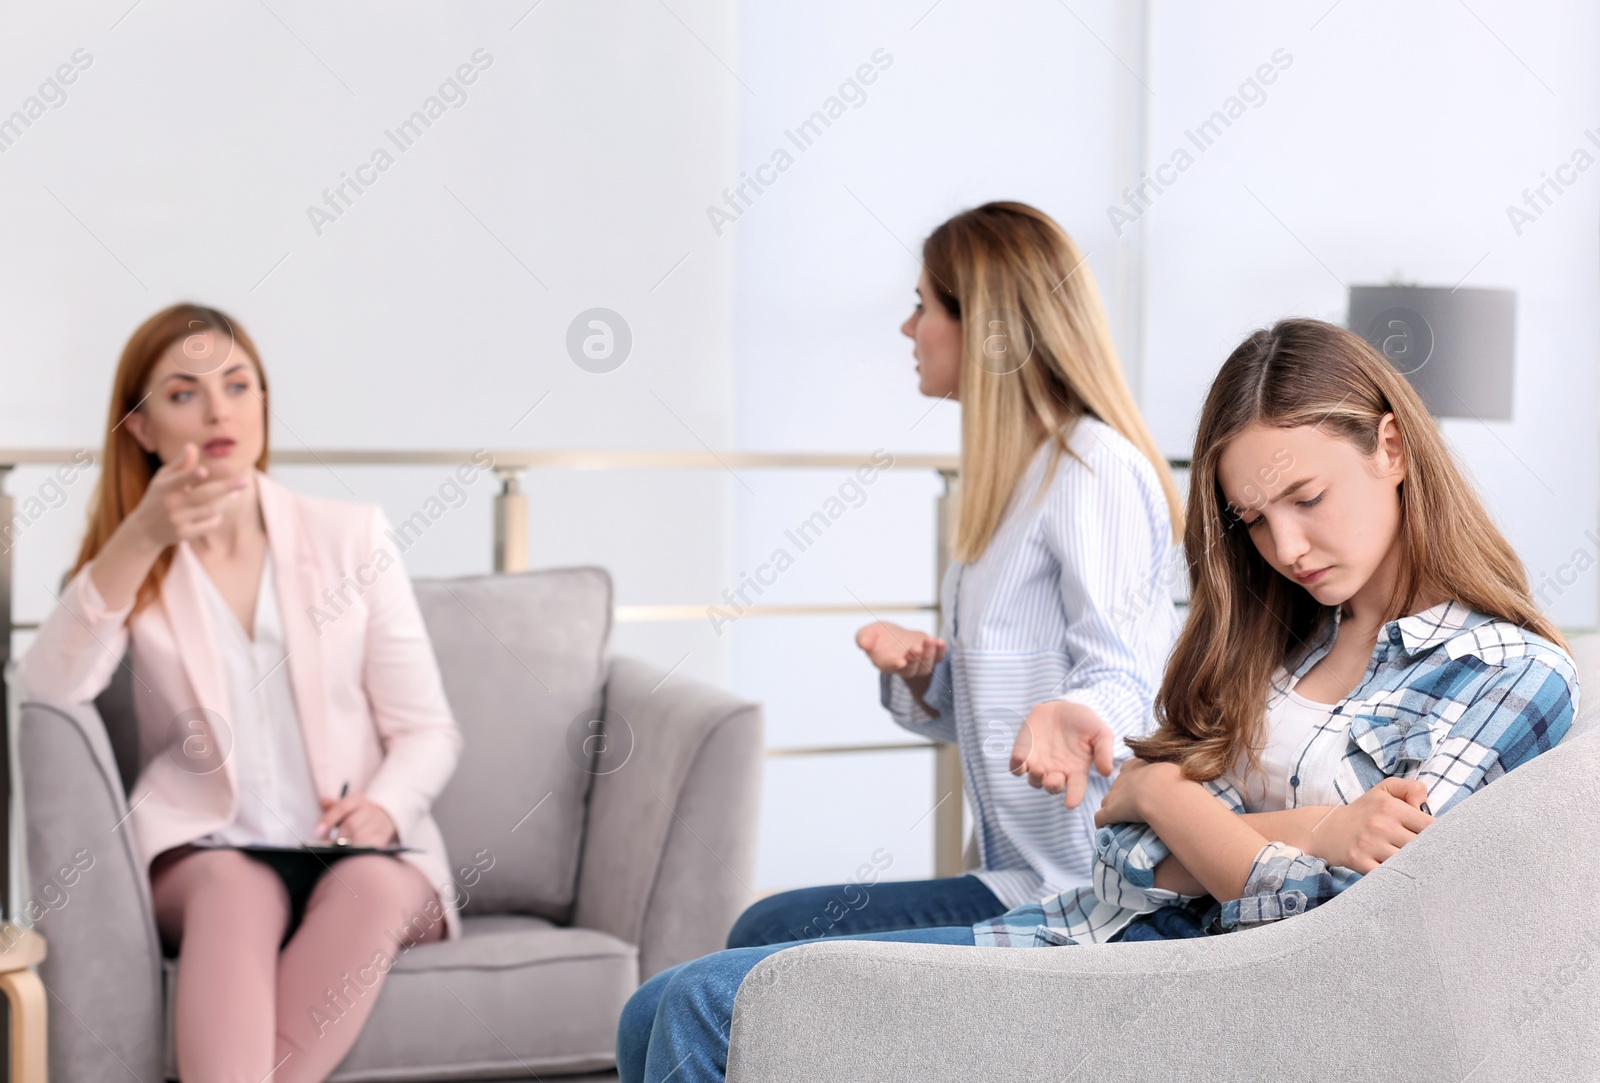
(88, 893)
(669, 850)
(1474, 952)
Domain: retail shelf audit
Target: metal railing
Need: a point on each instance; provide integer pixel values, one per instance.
(511, 554)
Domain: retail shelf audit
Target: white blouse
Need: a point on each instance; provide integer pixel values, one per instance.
(1292, 721)
(277, 801)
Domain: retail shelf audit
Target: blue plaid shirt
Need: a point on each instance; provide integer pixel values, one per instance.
(1452, 696)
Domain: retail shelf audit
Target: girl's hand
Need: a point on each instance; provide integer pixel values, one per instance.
(1372, 828)
(357, 819)
(1134, 786)
(180, 502)
(901, 651)
(1056, 745)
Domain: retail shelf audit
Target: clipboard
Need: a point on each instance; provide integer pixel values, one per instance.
(328, 849)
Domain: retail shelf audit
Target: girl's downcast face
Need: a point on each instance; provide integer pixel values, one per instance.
(1320, 512)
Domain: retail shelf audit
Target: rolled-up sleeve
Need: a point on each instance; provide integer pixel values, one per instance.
(1285, 881)
(1126, 856)
(1110, 536)
(1524, 711)
(903, 707)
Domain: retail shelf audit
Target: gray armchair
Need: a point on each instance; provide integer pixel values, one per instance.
(589, 858)
(1471, 956)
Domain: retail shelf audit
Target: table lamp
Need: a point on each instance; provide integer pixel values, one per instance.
(1456, 346)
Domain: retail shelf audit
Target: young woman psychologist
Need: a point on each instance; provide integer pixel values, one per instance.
(1058, 618)
(258, 723)
(1361, 655)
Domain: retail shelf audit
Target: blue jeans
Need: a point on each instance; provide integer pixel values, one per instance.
(1182, 922)
(860, 909)
(677, 1023)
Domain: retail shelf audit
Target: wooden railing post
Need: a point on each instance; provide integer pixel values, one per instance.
(510, 522)
(947, 780)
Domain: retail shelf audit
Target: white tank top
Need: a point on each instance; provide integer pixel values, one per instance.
(1291, 721)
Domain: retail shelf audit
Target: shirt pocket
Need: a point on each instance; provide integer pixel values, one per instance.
(1397, 739)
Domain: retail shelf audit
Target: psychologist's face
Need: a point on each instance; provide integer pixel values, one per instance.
(937, 338)
(203, 390)
(1320, 512)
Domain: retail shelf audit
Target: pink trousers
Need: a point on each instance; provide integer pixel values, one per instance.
(248, 1012)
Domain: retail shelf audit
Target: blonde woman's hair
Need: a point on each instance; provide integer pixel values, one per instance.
(1245, 619)
(1036, 355)
(125, 467)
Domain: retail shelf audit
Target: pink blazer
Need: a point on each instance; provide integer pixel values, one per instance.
(366, 684)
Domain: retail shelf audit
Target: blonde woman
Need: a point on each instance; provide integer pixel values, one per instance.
(259, 723)
(1361, 655)
(1058, 620)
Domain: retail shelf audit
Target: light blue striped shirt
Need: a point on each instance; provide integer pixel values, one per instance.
(1072, 601)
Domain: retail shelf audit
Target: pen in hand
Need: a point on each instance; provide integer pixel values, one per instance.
(340, 840)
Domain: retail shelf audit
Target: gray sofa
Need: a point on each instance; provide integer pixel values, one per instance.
(589, 857)
(1471, 956)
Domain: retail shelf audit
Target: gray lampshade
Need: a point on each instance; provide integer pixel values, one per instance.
(1457, 347)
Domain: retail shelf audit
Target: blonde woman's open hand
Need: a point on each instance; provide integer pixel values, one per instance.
(901, 651)
(182, 501)
(1372, 828)
(1057, 744)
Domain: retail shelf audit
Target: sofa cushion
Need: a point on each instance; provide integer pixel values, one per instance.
(514, 997)
(523, 658)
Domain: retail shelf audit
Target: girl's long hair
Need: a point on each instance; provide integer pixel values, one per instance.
(1036, 355)
(125, 467)
(1245, 619)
